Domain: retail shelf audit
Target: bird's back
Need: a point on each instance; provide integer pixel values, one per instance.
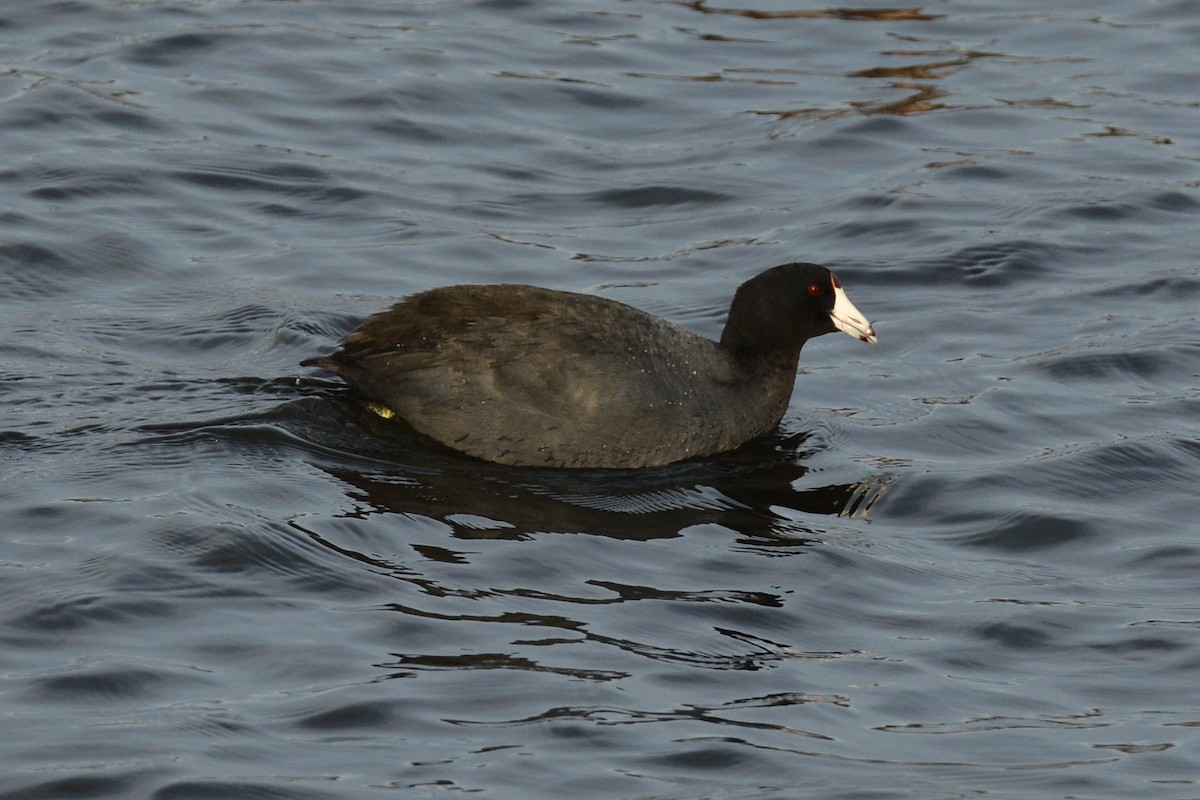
(524, 375)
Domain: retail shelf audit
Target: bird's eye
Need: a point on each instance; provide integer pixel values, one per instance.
(815, 290)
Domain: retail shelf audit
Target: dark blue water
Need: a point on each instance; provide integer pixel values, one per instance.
(965, 565)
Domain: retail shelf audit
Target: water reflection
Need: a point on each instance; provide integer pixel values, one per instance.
(755, 491)
(849, 14)
(762, 492)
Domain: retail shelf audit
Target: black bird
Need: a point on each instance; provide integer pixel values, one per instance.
(535, 377)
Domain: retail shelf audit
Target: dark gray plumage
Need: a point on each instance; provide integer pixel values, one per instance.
(529, 376)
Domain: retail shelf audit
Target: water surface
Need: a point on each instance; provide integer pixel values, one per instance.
(965, 565)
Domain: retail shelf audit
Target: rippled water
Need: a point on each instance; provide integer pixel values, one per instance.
(964, 566)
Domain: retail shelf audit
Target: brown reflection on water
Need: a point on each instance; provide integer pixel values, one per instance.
(914, 78)
(861, 14)
(917, 72)
(911, 77)
(921, 100)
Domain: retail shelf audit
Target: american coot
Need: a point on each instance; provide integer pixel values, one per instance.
(528, 376)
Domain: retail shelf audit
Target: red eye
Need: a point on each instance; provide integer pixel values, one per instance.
(815, 290)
